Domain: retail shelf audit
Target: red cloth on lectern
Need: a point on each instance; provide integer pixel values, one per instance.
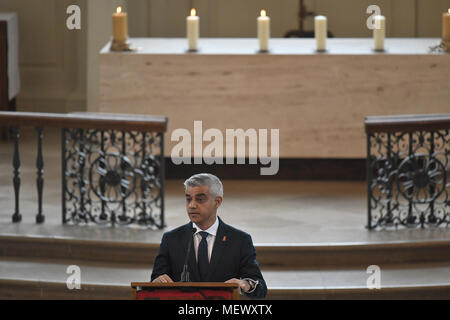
(177, 294)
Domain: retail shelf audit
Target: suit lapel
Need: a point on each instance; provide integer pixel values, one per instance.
(219, 245)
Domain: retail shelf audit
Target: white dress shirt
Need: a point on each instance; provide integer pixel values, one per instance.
(212, 231)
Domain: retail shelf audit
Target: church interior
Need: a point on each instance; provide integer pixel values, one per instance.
(328, 123)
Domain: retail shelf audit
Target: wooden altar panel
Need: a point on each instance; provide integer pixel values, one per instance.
(318, 101)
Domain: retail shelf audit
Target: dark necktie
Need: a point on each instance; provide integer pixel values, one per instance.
(203, 262)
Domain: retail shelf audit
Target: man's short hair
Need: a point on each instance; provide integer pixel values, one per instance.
(205, 179)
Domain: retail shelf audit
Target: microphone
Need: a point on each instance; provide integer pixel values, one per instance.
(185, 273)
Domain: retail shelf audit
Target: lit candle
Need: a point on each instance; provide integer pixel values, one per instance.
(263, 31)
(446, 30)
(446, 24)
(120, 25)
(192, 29)
(320, 30)
(379, 32)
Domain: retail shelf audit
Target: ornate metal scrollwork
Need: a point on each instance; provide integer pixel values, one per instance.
(113, 177)
(408, 179)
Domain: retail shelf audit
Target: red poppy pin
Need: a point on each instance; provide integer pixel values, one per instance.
(224, 238)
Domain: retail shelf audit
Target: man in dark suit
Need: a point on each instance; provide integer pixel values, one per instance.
(219, 252)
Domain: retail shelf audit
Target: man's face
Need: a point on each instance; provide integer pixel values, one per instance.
(201, 206)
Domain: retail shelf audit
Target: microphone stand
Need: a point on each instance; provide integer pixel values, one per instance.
(185, 273)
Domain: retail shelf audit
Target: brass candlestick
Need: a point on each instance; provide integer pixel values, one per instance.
(117, 45)
(442, 46)
(446, 44)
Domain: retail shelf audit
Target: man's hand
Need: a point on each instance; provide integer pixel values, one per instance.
(243, 284)
(163, 279)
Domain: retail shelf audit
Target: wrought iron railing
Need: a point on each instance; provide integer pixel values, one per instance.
(408, 171)
(112, 166)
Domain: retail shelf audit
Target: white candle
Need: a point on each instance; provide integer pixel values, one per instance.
(379, 32)
(192, 29)
(320, 30)
(263, 23)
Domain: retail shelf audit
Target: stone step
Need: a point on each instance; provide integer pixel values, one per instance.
(270, 256)
(20, 279)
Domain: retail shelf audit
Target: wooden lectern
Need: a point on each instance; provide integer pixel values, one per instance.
(184, 291)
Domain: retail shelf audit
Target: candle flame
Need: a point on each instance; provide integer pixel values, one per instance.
(193, 12)
(263, 13)
(119, 9)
